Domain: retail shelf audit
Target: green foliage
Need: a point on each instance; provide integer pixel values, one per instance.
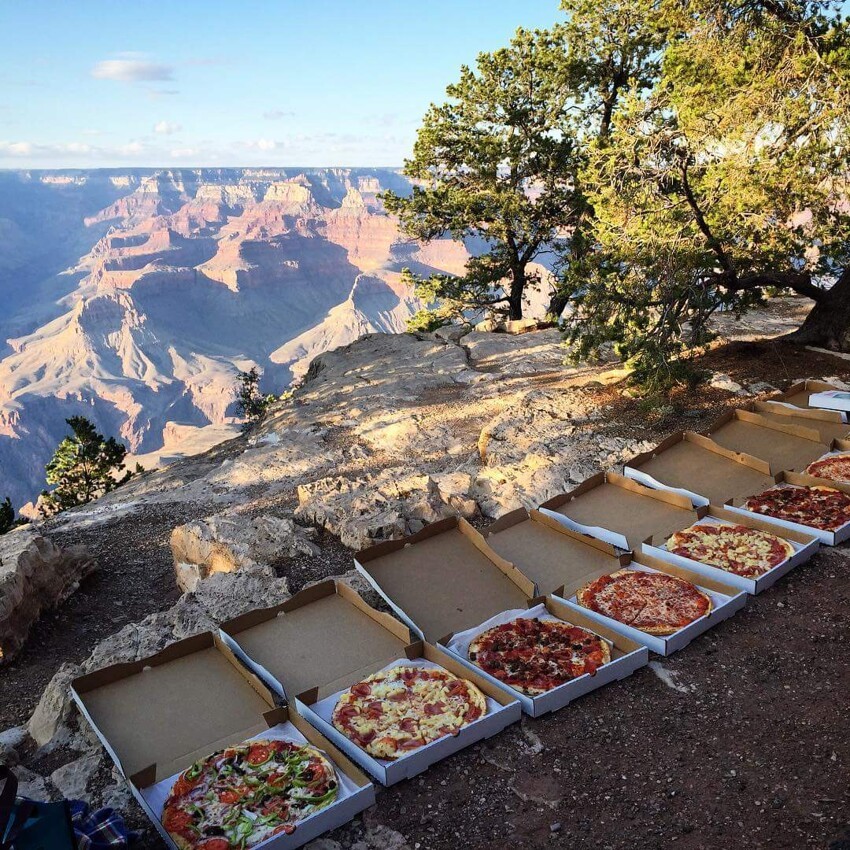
(496, 163)
(252, 403)
(84, 466)
(7, 515)
(724, 178)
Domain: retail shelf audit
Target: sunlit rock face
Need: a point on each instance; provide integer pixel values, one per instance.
(135, 297)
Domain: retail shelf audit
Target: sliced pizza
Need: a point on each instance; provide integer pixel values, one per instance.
(655, 603)
(533, 656)
(736, 549)
(834, 467)
(396, 711)
(243, 795)
(823, 508)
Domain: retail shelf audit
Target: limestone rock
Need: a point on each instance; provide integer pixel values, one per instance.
(48, 723)
(72, 779)
(520, 326)
(225, 543)
(35, 575)
(724, 382)
(381, 838)
(33, 786)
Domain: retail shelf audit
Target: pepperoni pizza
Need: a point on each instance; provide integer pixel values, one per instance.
(817, 507)
(833, 467)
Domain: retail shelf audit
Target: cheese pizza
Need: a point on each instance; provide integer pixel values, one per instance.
(737, 549)
(533, 656)
(241, 796)
(396, 711)
(833, 467)
(817, 507)
(655, 603)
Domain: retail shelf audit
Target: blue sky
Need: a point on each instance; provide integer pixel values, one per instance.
(296, 82)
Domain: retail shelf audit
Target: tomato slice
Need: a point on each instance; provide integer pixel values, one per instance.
(259, 754)
(176, 820)
(230, 796)
(215, 844)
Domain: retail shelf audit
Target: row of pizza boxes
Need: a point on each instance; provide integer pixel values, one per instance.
(278, 672)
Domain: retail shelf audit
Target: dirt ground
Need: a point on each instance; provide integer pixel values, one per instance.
(742, 740)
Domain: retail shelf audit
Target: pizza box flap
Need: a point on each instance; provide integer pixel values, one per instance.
(445, 578)
(550, 554)
(828, 424)
(798, 394)
(160, 714)
(326, 636)
(621, 505)
(693, 462)
(782, 446)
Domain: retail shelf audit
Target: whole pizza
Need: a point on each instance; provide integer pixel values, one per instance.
(735, 548)
(817, 507)
(243, 795)
(655, 603)
(396, 711)
(834, 467)
(534, 656)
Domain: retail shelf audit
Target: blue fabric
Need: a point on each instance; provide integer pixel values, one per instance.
(100, 830)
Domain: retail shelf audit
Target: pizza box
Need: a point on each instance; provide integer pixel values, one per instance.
(805, 545)
(564, 564)
(831, 400)
(626, 655)
(698, 468)
(830, 538)
(830, 424)
(326, 638)
(798, 395)
(619, 511)
(157, 716)
(783, 446)
(444, 578)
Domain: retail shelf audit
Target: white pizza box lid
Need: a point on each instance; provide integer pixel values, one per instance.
(619, 511)
(784, 447)
(830, 424)
(700, 469)
(626, 655)
(797, 395)
(804, 546)
(797, 479)
(831, 400)
(158, 715)
(444, 578)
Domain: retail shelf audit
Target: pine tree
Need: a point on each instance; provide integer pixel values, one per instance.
(252, 403)
(7, 515)
(84, 466)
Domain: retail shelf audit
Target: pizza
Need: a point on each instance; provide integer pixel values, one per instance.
(817, 507)
(834, 467)
(737, 549)
(655, 603)
(396, 711)
(243, 795)
(534, 656)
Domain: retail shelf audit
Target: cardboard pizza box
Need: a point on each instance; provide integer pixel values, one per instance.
(695, 466)
(831, 400)
(157, 716)
(789, 447)
(830, 538)
(545, 548)
(798, 394)
(725, 599)
(830, 424)
(804, 545)
(326, 638)
(618, 510)
(444, 578)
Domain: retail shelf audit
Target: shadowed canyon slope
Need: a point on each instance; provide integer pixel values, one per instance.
(135, 297)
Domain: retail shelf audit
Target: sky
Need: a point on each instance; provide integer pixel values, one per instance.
(110, 83)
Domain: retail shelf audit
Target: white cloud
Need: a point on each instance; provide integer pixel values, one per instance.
(132, 70)
(166, 128)
(184, 153)
(16, 148)
(276, 114)
(266, 144)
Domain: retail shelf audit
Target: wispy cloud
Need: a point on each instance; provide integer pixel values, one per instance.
(132, 68)
(166, 128)
(277, 114)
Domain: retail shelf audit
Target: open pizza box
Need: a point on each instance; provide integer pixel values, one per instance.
(830, 538)
(159, 715)
(698, 468)
(830, 424)
(326, 638)
(562, 560)
(783, 446)
(804, 545)
(798, 395)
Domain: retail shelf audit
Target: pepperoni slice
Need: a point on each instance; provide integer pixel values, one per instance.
(230, 796)
(177, 821)
(363, 689)
(214, 844)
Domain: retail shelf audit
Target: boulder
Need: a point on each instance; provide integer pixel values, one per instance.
(228, 542)
(35, 575)
(520, 326)
(48, 723)
(71, 780)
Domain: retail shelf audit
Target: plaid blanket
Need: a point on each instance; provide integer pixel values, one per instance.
(101, 830)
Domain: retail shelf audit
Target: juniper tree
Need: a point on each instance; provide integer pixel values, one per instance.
(7, 515)
(252, 403)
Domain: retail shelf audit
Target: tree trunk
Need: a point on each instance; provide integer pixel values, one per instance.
(828, 324)
(557, 304)
(518, 282)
